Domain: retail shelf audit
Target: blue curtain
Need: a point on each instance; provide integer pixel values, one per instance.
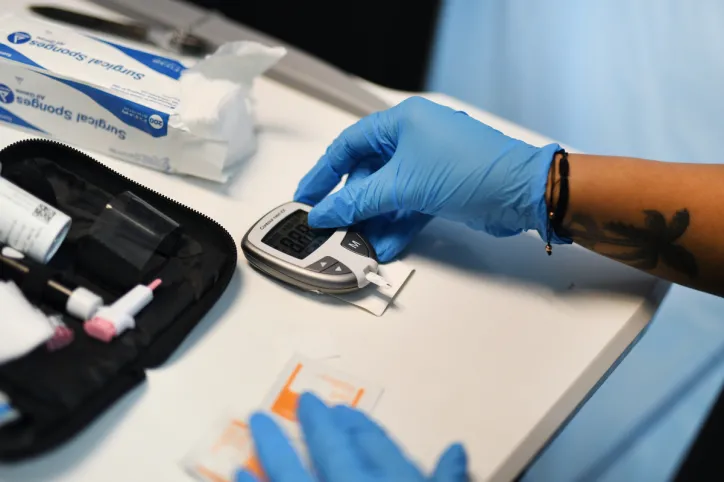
(621, 77)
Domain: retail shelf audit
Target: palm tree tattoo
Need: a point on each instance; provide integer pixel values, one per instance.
(654, 243)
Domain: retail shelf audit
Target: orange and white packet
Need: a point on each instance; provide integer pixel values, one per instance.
(228, 446)
(335, 387)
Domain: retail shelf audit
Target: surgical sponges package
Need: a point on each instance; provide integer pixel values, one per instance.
(130, 104)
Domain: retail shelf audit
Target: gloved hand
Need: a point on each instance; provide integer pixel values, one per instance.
(344, 445)
(420, 159)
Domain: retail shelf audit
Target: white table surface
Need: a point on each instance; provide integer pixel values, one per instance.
(491, 343)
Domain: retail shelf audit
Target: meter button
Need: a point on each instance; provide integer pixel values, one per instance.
(355, 243)
(323, 264)
(338, 268)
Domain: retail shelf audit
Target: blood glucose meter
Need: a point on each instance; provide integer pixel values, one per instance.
(282, 245)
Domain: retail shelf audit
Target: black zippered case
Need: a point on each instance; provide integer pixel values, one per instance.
(59, 393)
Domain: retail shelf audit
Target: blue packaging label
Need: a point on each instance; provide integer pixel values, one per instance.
(34, 108)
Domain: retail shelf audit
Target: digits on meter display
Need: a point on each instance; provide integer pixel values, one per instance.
(294, 237)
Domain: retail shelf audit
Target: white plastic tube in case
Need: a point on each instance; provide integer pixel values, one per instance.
(111, 321)
(30, 225)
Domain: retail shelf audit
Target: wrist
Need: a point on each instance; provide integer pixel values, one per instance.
(552, 187)
(548, 196)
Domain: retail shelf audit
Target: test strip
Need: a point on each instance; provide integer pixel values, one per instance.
(378, 280)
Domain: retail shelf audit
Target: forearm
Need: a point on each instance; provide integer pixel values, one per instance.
(663, 218)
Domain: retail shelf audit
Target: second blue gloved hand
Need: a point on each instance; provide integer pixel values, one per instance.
(344, 445)
(420, 159)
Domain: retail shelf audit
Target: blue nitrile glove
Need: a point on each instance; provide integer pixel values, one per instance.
(344, 446)
(420, 159)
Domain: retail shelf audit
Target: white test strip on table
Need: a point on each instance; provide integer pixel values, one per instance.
(375, 299)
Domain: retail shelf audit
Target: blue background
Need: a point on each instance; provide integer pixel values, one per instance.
(640, 78)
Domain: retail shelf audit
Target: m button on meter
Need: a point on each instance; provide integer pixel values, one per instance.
(356, 243)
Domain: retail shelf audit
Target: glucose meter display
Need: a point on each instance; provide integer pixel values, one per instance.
(294, 237)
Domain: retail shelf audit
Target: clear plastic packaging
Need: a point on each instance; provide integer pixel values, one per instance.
(132, 230)
(127, 241)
